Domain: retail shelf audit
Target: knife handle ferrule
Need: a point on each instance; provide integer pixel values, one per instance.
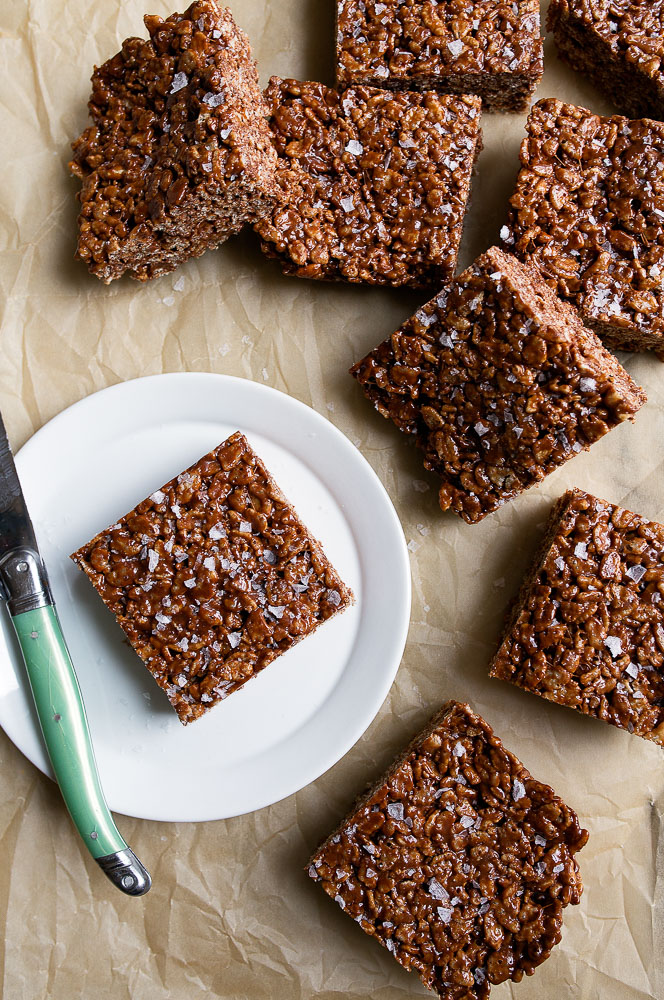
(24, 580)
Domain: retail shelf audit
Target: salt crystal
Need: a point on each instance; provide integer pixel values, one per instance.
(480, 429)
(153, 560)
(395, 810)
(179, 284)
(540, 840)
(354, 147)
(581, 550)
(635, 573)
(467, 822)
(269, 557)
(334, 597)
(340, 900)
(175, 507)
(209, 563)
(234, 639)
(614, 645)
(277, 611)
(163, 619)
(158, 496)
(445, 913)
(560, 563)
(437, 891)
(459, 749)
(245, 526)
(557, 869)
(217, 531)
(420, 486)
(518, 790)
(455, 47)
(347, 204)
(213, 100)
(180, 80)
(632, 670)
(184, 644)
(190, 583)
(587, 384)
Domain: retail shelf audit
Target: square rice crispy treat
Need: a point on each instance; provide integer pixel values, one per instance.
(491, 47)
(179, 155)
(619, 46)
(375, 183)
(587, 628)
(212, 577)
(589, 211)
(498, 382)
(458, 861)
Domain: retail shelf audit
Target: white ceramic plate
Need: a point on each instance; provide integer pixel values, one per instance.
(92, 464)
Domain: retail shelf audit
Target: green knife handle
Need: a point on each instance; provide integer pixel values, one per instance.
(65, 727)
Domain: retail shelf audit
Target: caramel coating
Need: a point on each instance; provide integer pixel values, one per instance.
(491, 48)
(619, 44)
(588, 627)
(588, 210)
(499, 383)
(212, 577)
(375, 184)
(179, 156)
(459, 862)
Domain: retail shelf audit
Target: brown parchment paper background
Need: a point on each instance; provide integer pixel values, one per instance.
(231, 915)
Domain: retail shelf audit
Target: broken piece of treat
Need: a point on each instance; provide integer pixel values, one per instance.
(587, 628)
(178, 156)
(588, 210)
(376, 183)
(498, 382)
(212, 577)
(619, 46)
(458, 861)
(491, 47)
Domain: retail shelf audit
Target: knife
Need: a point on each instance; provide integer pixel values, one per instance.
(25, 588)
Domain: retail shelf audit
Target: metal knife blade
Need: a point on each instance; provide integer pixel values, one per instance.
(16, 530)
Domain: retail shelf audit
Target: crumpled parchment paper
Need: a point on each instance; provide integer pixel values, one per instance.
(231, 914)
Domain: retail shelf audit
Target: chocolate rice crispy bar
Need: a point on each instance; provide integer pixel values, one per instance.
(490, 47)
(619, 45)
(212, 577)
(589, 211)
(458, 861)
(587, 628)
(179, 155)
(375, 183)
(498, 382)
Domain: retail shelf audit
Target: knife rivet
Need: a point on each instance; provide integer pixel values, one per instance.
(94, 835)
(127, 881)
(57, 717)
(34, 635)
(22, 567)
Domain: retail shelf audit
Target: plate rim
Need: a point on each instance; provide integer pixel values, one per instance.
(335, 751)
